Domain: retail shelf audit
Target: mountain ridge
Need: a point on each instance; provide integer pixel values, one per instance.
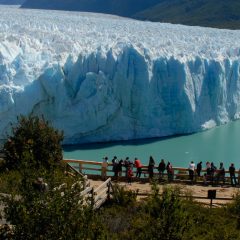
(124, 8)
(207, 13)
(12, 2)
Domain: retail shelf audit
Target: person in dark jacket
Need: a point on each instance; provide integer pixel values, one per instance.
(170, 172)
(232, 175)
(221, 174)
(161, 169)
(115, 167)
(213, 171)
(151, 165)
(120, 165)
(126, 164)
(199, 169)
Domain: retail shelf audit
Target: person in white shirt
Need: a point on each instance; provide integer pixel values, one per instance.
(191, 170)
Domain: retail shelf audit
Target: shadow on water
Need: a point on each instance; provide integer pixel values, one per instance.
(134, 142)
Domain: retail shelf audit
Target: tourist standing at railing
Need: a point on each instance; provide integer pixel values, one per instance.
(120, 165)
(115, 166)
(199, 169)
(151, 165)
(138, 165)
(232, 175)
(191, 169)
(129, 175)
(104, 168)
(212, 172)
(221, 174)
(208, 167)
(170, 172)
(161, 169)
(131, 164)
(126, 164)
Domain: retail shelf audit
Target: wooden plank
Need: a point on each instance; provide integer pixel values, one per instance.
(86, 191)
(93, 169)
(75, 170)
(194, 196)
(105, 184)
(99, 203)
(82, 161)
(101, 194)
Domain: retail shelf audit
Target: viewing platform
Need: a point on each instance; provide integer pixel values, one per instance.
(94, 170)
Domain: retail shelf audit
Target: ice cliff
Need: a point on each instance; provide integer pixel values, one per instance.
(103, 78)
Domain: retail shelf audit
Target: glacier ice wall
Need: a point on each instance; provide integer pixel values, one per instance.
(104, 78)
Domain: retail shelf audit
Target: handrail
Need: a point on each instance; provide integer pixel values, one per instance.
(89, 162)
(179, 174)
(86, 191)
(98, 195)
(103, 185)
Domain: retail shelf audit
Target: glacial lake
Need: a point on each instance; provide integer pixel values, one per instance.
(220, 144)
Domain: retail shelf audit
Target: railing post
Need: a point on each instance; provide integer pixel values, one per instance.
(108, 192)
(80, 167)
(102, 173)
(92, 198)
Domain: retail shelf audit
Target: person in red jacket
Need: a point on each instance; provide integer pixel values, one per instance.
(138, 165)
(129, 175)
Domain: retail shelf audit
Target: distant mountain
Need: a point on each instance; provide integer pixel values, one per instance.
(209, 13)
(12, 2)
(125, 8)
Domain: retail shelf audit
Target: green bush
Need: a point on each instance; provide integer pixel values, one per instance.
(123, 197)
(33, 139)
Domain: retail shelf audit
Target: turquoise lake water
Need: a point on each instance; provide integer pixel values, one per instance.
(221, 144)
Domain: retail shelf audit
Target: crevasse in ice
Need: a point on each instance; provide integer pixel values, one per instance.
(103, 78)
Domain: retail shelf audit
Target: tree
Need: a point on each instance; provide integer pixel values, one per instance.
(35, 138)
(50, 208)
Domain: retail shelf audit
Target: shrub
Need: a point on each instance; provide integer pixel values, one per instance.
(170, 218)
(123, 197)
(33, 139)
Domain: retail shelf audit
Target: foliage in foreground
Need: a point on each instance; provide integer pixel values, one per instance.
(61, 212)
(168, 216)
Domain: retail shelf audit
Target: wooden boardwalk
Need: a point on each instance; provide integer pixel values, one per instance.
(180, 176)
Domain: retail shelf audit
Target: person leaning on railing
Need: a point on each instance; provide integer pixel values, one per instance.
(191, 170)
(151, 165)
(232, 175)
(104, 168)
(161, 169)
(199, 169)
(170, 172)
(220, 174)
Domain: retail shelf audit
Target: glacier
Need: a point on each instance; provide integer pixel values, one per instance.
(103, 78)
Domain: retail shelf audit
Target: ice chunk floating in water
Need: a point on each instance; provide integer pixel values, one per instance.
(103, 78)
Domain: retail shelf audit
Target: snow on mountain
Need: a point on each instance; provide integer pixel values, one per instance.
(103, 78)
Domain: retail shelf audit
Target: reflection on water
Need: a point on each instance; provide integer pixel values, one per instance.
(218, 144)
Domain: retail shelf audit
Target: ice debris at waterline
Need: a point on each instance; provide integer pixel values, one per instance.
(102, 78)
